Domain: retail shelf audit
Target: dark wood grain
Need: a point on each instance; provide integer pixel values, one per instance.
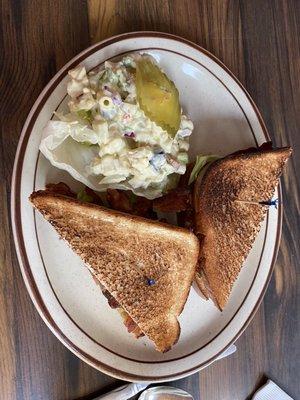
(259, 41)
(38, 38)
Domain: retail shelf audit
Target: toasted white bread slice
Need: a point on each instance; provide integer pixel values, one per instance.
(228, 215)
(124, 252)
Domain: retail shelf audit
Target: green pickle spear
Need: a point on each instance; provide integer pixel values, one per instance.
(157, 95)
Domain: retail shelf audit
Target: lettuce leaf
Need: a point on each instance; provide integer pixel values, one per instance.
(83, 196)
(58, 131)
(201, 162)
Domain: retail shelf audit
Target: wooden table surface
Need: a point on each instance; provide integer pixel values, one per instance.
(259, 41)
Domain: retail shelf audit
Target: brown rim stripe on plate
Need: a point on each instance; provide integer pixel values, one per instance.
(25, 267)
(43, 262)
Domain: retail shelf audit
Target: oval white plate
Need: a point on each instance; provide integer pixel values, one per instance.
(63, 291)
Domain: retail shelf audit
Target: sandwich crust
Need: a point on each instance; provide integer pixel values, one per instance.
(122, 251)
(227, 224)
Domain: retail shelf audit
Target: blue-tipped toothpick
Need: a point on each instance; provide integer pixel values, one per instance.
(274, 202)
(269, 203)
(150, 282)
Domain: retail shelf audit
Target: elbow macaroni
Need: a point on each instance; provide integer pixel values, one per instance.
(129, 150)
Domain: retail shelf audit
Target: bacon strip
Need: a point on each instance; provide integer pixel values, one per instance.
(127, 202)
(118, 200)
(176, 200)
(60, 188)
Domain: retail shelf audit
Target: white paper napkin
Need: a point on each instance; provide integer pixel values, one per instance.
(271, 391)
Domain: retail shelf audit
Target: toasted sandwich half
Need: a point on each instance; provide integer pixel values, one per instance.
(230, 204)
(145, 267)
